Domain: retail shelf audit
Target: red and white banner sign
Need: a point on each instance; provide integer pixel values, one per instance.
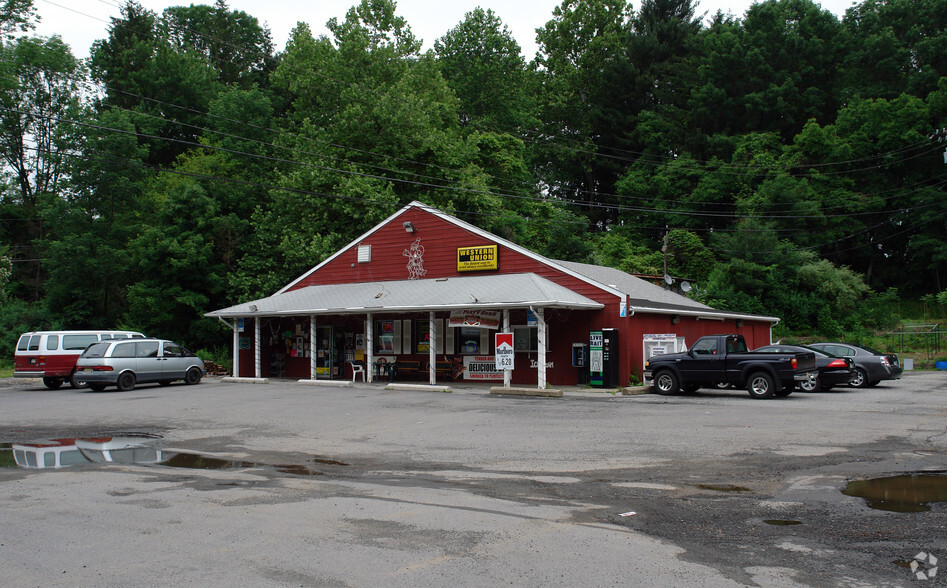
(484, 319)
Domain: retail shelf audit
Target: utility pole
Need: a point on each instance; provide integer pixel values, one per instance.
(664, 250)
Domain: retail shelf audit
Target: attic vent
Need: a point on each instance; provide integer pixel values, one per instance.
(364, 253)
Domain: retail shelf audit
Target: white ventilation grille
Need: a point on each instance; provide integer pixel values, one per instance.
(364, 253)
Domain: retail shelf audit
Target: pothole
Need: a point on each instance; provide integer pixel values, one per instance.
(913, 492)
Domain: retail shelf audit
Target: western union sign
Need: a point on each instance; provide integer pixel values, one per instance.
(475, 259)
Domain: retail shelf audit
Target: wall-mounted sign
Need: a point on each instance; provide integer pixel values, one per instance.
(484, 319)
(504, 351)
(475, 259)
(481, 367)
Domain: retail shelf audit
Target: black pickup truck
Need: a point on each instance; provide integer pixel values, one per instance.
(714, 360)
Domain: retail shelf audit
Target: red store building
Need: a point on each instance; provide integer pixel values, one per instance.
(428, 292)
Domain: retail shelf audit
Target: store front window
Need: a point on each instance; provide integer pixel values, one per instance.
(422, 336)
(526, 339)
(467, 341)
(384, 337)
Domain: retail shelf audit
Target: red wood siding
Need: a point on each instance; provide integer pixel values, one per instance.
(440, 240)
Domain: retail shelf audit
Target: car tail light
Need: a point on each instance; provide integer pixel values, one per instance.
(101, 368)
(41, 360)
(794, 363)
(885, 362)
(838, 363)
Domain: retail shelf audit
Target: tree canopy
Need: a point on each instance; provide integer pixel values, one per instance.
(785, 161)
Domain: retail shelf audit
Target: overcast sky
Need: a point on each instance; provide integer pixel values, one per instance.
(80, 22)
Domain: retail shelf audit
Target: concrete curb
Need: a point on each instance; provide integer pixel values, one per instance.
(233, 380)
(546, 393)
(635, 390)
(422, 387)
(330, 383)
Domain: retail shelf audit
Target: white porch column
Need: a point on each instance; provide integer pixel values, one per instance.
(541, 335)
(432, 349)
(508, 374)
(312, 348)
(369, 348)
(257, 354)
(236, 349)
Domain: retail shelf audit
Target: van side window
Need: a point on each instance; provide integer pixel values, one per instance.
(173, 350)
(34, 342)
(23, 343)
(124, 350)
(52, 342)
(78, 342)
(147, 349)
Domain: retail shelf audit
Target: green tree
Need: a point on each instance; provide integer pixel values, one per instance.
(898, 46)
(170, 89)
(16, 16)
(230, 41)
(40, 83)
(579, 160)
(93, 221)
(483, 66)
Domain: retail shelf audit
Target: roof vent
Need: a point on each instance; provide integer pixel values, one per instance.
(364, 253)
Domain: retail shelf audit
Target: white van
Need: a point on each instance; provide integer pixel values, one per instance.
(52, 355)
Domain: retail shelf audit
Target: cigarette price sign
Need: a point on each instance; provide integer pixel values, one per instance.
(504, 351)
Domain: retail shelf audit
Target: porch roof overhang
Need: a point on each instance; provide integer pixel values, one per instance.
(439, 294)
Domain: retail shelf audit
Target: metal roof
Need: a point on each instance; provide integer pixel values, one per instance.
(643, 296)
(493, 291)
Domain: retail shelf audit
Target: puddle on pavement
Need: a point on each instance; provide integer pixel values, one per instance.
(133, 449)
(904, 493)
(723, 488)
(195, 461)
(781, 522)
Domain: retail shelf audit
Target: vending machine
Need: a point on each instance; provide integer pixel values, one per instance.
(603, 358)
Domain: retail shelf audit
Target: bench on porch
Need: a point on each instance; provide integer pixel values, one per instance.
(442, 369)
(407, 369)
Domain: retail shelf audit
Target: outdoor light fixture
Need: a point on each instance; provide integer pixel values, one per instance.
(253, 308)
(675, 318)
(408, 226)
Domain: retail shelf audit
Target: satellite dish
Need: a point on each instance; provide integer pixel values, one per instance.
(685, 286)
(668, 280)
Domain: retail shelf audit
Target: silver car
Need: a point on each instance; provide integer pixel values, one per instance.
(124, 363)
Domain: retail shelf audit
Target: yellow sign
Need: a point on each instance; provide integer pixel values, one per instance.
(475, 259)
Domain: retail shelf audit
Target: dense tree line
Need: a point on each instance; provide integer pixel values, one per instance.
(784, 161)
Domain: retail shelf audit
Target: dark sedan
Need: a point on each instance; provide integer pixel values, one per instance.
(832, 369)
(871, 366)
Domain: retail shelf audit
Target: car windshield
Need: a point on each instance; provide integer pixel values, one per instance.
(96, 350)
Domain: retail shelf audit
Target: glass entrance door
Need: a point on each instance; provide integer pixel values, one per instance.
(325, 352)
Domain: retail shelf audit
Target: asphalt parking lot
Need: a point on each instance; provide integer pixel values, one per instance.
(293, 484)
